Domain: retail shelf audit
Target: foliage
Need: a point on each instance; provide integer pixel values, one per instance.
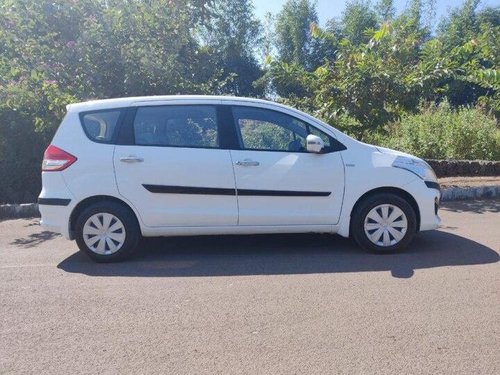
(262, 135)
(368, 82)
(379, 79)
(470, 38)
(57, 52)
(20, 147)
(461, 26)
(441, 132)
(370, 68)
(358, 18)
(294, 41)
(232, 36)
(385, 10)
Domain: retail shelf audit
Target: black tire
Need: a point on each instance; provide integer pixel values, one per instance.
(364, 208)
(129, 221)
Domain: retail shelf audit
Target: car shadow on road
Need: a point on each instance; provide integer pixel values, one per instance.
(282, 255)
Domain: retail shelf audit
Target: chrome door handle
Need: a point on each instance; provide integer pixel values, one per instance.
(248, 163)
(131, 159)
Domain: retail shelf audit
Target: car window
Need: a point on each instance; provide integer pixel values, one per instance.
(263, 129)
(181, 126)
(100, 126)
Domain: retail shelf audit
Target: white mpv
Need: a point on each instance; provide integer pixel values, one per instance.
(119, 169)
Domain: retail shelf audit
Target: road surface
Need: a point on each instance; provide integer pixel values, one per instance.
(282, 304)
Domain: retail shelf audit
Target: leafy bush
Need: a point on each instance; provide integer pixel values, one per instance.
(21, 150)
(369, 69)
(440, 132)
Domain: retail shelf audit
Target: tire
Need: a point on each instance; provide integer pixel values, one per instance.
(383, 223)
(107, 232)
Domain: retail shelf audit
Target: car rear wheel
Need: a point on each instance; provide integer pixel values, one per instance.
(107, 232)
(384, 223)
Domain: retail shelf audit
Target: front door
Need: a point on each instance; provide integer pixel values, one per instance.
(278, 182)
(174, 171)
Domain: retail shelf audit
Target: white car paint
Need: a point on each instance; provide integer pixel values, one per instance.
(290, 171)
(178, 166)
(347, 174)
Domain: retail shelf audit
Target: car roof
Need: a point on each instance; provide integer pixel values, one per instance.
(102, 104)
(128, 101)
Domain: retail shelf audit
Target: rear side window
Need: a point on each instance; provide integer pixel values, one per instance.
(177, 126)
(100, 126)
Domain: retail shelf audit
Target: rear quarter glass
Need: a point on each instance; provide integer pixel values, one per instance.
(101, 126)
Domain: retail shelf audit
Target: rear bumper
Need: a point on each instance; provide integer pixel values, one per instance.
(55, 203)
(55, 218)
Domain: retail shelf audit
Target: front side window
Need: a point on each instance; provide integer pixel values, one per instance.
(268, 130)
(100, 126)
(177, 126)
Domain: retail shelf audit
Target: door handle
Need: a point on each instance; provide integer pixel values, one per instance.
(131, 159)
(248, 163)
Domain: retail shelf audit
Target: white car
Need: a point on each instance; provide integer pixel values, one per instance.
(119, 169)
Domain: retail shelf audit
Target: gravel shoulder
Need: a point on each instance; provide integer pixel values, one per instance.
(469, 181)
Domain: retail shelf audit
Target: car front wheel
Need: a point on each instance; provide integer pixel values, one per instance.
(384, 223)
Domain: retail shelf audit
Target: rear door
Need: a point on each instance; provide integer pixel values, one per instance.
(172, 166)
(278, 182)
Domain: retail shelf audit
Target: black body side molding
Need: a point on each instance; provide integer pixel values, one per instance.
(164, 189)
(54, 201)
(282, 193)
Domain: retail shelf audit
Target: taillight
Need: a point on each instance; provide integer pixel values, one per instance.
(55, 159)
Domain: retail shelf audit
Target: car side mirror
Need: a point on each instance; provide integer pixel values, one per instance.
(314, 143)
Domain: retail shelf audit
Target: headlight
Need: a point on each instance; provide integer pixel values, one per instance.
(418, 167)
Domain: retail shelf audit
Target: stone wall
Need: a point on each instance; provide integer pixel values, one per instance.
(466, 168)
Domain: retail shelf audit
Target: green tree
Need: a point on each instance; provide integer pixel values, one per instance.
(361, 72)
(298, 50)
(294, 42)
(411, 24)
(385, 10)
(233, 35)
(468, 48)
(461, 26)
(489, 16)
(56, 52)
(358, 18)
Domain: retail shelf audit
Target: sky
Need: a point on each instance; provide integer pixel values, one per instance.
(328, 9)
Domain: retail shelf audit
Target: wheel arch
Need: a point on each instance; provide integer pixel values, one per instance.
(388, 190)
(82, 205)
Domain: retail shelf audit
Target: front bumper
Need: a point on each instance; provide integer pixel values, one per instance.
(427, 198)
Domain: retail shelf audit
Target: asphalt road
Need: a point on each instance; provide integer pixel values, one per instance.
(288, 304)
